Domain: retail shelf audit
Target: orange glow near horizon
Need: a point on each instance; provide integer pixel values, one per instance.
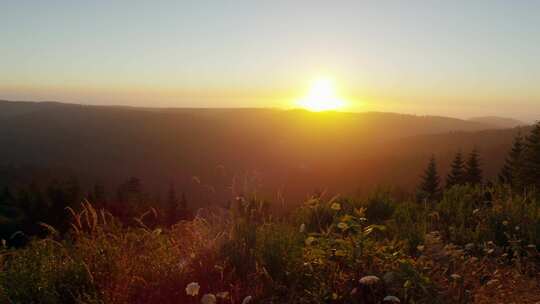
(322, 97)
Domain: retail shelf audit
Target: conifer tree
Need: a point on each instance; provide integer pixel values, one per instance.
(184, 213)
(512, 171)
(532, 157)
(473, 172)
(430, 186)
(457, 172)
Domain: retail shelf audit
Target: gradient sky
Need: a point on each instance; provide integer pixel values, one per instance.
(454, 58)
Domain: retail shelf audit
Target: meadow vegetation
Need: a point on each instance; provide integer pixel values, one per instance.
(319, 253)
(468, 242)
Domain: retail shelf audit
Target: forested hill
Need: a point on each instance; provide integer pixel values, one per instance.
(295, 151)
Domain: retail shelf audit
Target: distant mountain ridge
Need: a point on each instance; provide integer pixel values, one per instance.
(499, 122)
(293, 150)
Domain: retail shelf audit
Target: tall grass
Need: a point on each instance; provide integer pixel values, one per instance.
(317, 254)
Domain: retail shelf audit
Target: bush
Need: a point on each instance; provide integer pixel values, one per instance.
(379, 206)
(46, 272)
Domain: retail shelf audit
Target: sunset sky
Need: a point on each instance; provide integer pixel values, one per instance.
(453, 58)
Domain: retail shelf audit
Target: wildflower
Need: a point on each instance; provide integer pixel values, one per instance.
(391, 299)
(208, 299)
(247, 300)
(369, 280)
(310, 240)
(192, 289)
(302, 228)
(335, 206)
(343, 226)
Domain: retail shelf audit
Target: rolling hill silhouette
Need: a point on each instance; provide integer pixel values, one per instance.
(292, 151)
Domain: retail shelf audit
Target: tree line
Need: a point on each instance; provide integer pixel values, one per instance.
(22, 208)
(521, 169)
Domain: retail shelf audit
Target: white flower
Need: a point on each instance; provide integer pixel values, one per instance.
(247, 300)
(391, 299)
(302, 228)
(335, 206)
(208, 299)
(369, 280)
(192, 289)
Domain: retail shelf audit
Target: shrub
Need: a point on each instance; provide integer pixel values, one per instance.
(46, 272)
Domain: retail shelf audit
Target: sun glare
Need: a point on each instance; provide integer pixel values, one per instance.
(321, 97)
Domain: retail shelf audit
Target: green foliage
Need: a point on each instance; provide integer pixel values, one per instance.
(473, 172)
(45, 272)
(317, 255)
(430, 187)
(532, 157)
(379, 206)
(512, 172)
(478, 215)
(410, 223)
(457, 172)
(456, 213)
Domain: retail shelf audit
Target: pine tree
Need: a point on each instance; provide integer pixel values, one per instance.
(512, 171)
(532, 157)
(184, 213)
(430, 186)
(473, 172)
(457, 172)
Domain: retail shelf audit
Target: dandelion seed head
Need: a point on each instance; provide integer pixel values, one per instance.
(247, 300)
(192, 289)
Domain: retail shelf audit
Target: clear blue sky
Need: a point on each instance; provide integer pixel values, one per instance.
(457, 58)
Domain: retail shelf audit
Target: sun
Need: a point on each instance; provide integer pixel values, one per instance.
(321, 97)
